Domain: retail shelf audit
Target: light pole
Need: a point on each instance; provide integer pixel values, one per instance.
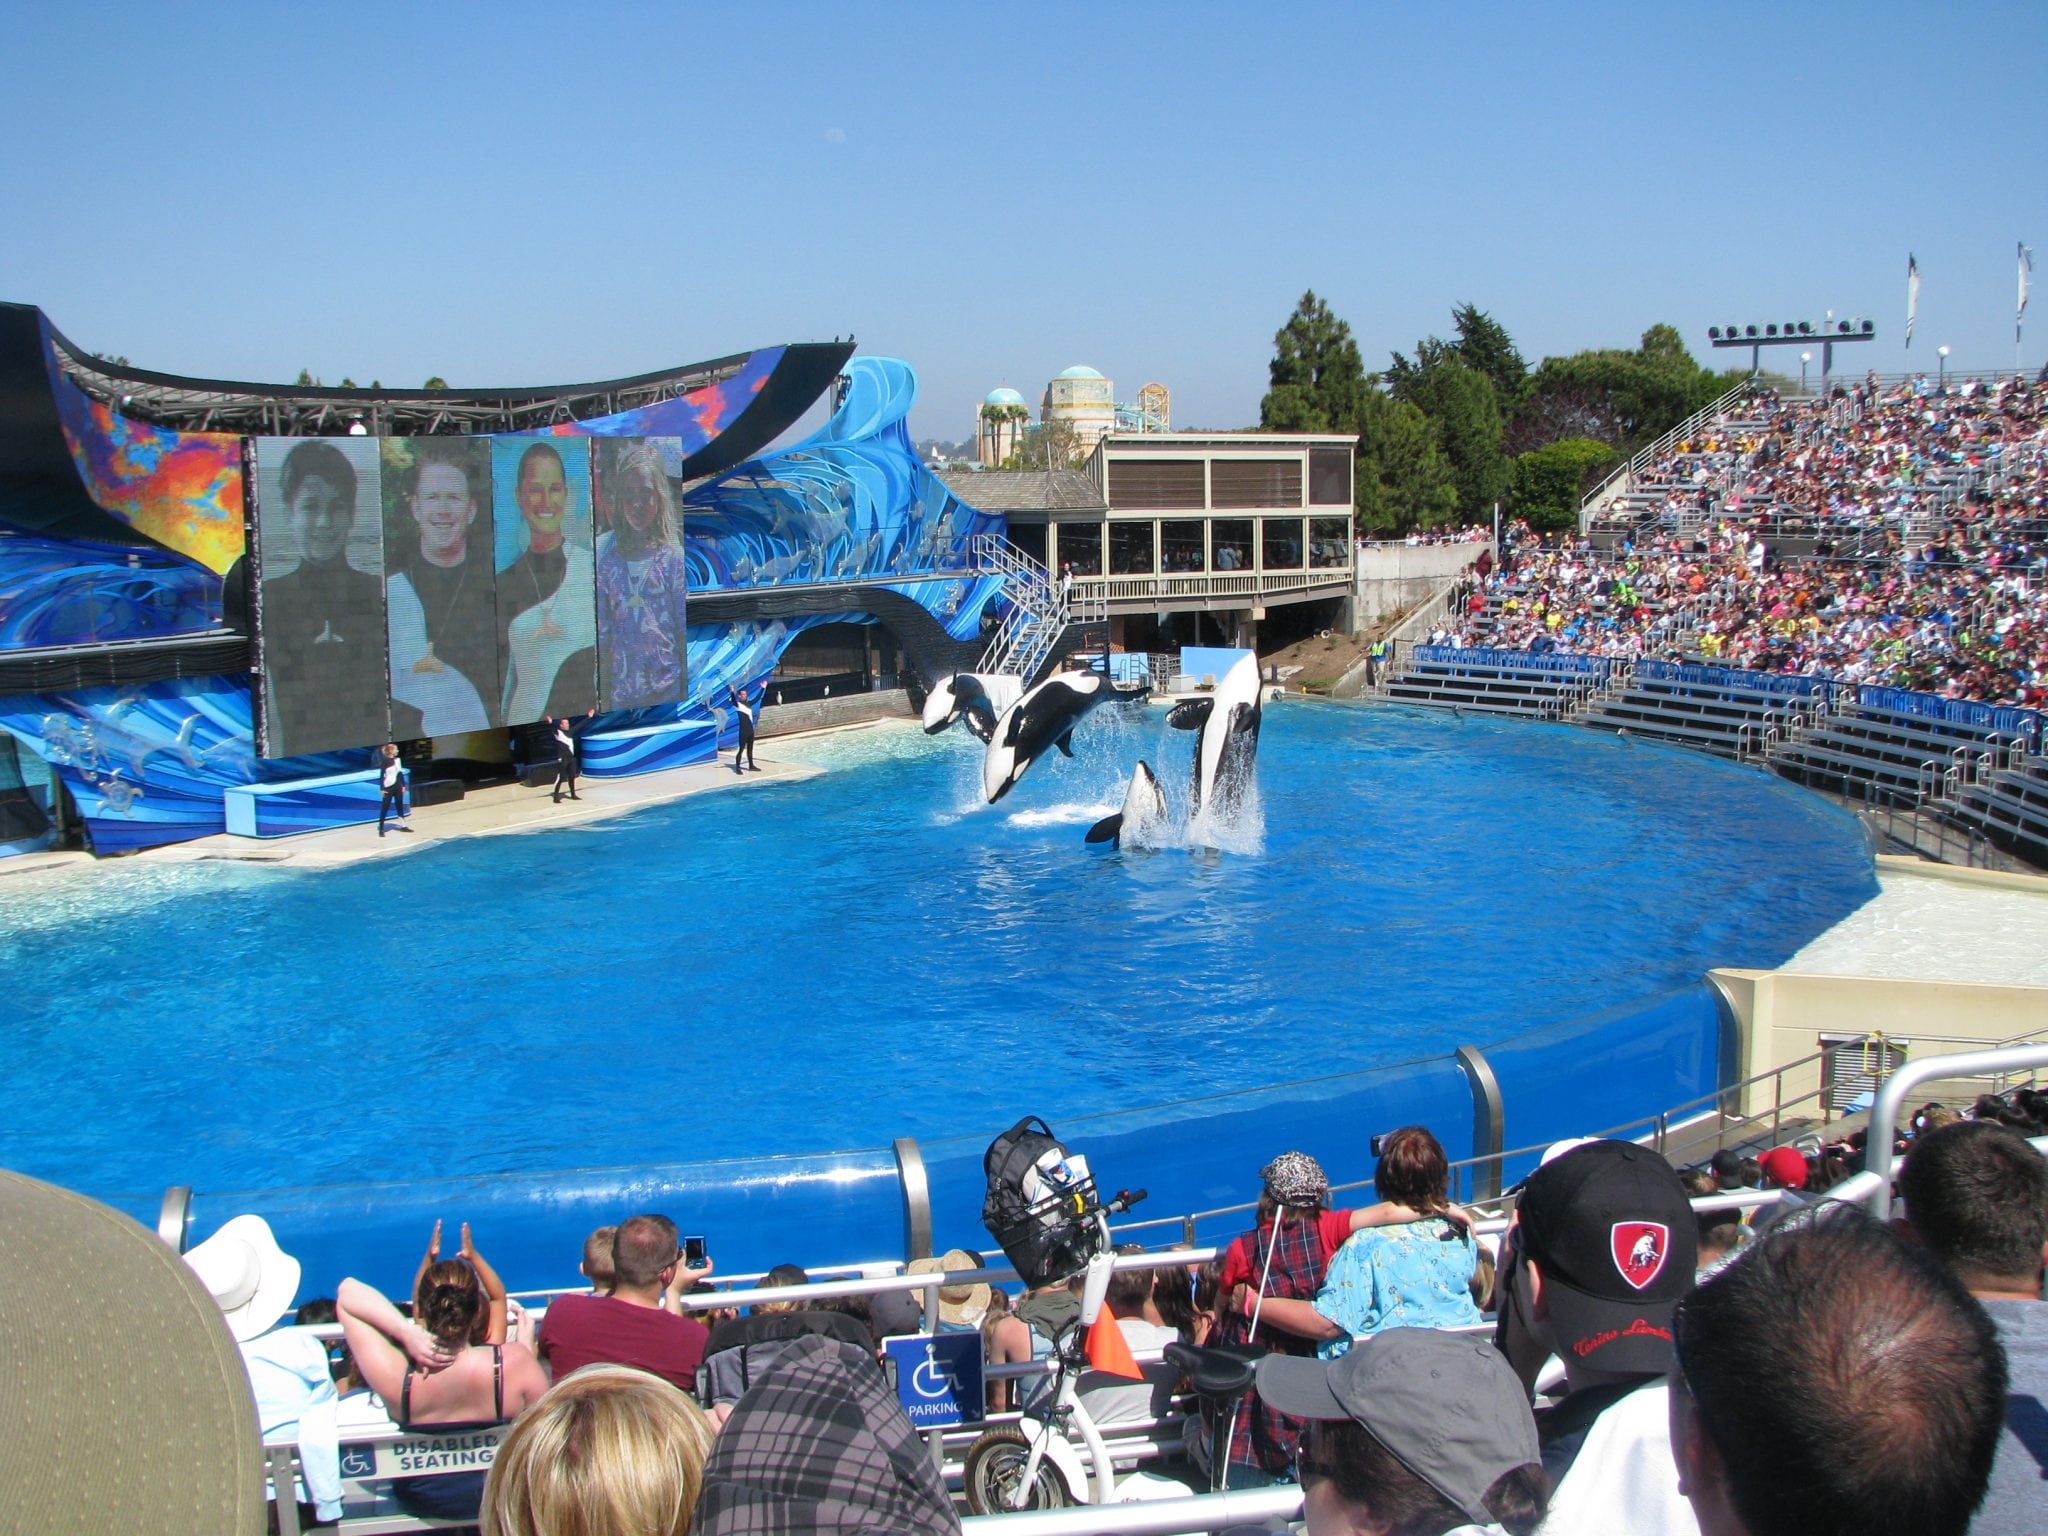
(1941, 375)
(1804, 359)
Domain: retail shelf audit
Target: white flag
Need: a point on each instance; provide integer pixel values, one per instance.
(2026, 269)
(1912, 295)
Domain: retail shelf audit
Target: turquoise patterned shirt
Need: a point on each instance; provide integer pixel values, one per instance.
(1411, 1276)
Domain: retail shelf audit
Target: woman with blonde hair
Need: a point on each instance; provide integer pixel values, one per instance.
(609, 1451)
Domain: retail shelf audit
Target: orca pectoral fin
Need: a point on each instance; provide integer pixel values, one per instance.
(980, 719)
(1190, 714)
(1108, 830)
(1066, 742)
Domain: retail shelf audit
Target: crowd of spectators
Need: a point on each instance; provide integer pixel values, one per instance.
(1615, 1361)
(1888, 536)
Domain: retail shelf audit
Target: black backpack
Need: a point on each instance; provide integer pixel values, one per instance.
(1041, 1203)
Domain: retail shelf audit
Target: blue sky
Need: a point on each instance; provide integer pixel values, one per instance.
(529, 194)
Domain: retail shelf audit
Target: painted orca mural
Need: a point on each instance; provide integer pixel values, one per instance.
(1144, 811)
(1228, 721)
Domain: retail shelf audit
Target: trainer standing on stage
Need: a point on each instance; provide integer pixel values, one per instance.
(391, 780)
(744, 754)
(566, 760)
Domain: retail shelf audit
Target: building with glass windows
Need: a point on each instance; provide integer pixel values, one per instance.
(1161, 524)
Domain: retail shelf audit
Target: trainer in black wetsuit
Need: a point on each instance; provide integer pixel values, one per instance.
(745, 752)
(566, 760)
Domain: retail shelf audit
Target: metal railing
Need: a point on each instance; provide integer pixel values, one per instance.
(1040, 612)
(1879, 1158)
(1625, 475)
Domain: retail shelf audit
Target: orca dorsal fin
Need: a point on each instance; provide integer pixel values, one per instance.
(1108, 830)
(1066, 741)
(1190, 714)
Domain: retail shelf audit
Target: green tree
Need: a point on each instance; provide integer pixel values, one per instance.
(1616, 396)
(1316, 377)
(1460, 404)
(1549, 481)
(436, 382)
(1484, 345)
(1048, 445)
(1402, 479)
(305, 380)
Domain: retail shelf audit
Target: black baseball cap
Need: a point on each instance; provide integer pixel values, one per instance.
(1611, 1228)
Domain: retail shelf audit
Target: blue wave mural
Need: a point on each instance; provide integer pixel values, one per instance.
(151, 764)
(67, 591)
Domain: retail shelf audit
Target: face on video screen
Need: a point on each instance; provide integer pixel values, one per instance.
(320, 632)
(642, 575)
(547, 614)
(440, 596)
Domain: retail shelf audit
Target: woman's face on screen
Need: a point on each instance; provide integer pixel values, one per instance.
(323, 515)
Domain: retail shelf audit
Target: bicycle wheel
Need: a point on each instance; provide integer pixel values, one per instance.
(993, 1471)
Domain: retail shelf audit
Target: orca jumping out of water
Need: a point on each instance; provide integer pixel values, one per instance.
(1144, 809)
(974, 697)
(1228, 721)
(1044, 717)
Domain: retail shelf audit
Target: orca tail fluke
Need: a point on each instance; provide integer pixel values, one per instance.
(1108, 830)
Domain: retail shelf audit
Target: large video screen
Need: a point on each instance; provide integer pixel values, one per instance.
(440, 590)
(320, 595)
(642, 655)
(546, 568)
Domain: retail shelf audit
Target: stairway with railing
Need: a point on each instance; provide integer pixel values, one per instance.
(1040, 614)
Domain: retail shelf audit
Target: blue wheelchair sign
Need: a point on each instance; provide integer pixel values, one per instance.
(938, 1378)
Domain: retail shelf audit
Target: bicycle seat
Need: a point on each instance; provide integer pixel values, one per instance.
(1222, 1370)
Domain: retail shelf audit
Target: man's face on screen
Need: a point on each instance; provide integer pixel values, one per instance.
(543, 497)
(323, 516)
(443, 509)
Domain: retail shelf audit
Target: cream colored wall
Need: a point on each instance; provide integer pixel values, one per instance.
(1781, 1015)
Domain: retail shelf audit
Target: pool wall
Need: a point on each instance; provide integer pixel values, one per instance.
(847, 1207)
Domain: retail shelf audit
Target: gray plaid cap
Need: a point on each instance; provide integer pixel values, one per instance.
(1445, 1404)
(1296, 1179)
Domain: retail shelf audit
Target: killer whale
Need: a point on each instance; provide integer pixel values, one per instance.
(1144, 808)
(1044, 716)
(1228, 721)
(975, 697)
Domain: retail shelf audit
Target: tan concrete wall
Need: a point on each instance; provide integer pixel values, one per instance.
(844, 709)
(1780, 1016)
(1392, 576)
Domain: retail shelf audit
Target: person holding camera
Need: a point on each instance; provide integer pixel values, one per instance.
(632, 1326)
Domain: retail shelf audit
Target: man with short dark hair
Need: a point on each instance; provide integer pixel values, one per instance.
(1834, 1381)
(631, 1326)
(1605, 1244)
(1976, 1197)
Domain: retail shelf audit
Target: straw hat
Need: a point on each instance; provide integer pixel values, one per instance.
(245, 1271)
(128, 1406)
(964, 1305)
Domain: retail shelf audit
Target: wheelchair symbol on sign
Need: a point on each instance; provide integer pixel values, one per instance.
(358, 1461)
(931, 1379)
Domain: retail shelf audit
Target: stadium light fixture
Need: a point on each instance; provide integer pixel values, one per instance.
(1941, 377)
(1782, 333)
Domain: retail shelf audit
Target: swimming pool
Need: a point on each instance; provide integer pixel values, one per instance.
(870, 953)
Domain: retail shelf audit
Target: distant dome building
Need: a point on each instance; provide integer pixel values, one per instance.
(999, 426)
(1083, 399)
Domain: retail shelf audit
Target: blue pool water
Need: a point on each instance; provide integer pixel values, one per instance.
(871, 953)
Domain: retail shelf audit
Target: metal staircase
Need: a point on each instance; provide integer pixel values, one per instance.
(1040, 615)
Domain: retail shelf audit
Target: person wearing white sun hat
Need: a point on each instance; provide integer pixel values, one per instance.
(252, 1280)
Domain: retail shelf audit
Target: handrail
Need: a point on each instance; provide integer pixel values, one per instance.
(1884, 1112)
(1645, 457)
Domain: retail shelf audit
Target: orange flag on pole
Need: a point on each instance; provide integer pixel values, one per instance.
(1107, 1351)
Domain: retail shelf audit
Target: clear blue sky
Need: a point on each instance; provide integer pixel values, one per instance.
(532, 194)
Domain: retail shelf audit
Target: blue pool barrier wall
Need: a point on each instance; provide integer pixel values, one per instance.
(846, 1207)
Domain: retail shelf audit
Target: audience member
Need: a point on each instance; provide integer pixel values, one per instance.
(253, 1281)
(1834, 1381)
(1114, 1400)
(819, 1446)
(1976, 1197)
(631, 1326)
(468, 1269)
(1605, 1246)
(1411, 1433)
(431, 1376)
(609, 1451)
(597, 1260)
(1415, 1274)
